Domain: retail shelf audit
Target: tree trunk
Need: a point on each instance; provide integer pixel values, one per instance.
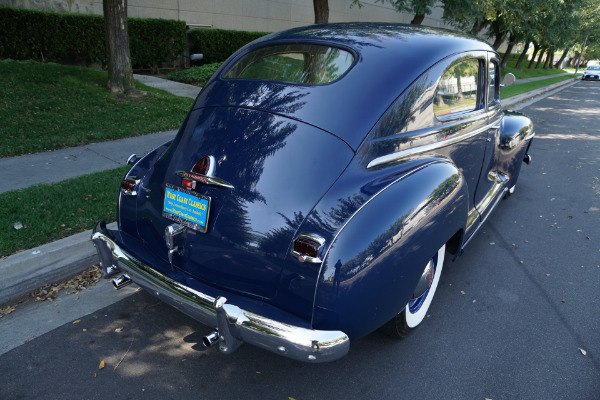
(562, 58)
(511, 44)
(120, 73)
(549, 59)
(478, 26)
(522, 56)
(418, 19)
(321, 11)
(499, 40)
(574, 59)
(539, 61)
(536, 48)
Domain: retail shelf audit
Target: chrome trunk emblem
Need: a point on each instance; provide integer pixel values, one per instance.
(207, 180)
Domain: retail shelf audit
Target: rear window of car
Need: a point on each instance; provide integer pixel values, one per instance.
(308, 64)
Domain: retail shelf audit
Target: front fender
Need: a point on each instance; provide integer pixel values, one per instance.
(516, 133)
(376, 259)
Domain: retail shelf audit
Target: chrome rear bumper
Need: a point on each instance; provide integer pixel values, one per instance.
(234, 325)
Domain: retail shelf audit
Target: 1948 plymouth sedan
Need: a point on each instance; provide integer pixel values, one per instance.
(316, 185)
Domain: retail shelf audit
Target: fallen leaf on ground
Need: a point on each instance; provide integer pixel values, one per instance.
(101, 366)
(76, 321)
(583, 351)
(7, 310)
(80, 282)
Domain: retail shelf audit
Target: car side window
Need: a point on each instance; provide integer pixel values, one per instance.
(458, 89)
(493, 83)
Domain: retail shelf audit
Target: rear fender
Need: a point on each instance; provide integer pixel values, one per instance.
(376, 259)
(127, 205)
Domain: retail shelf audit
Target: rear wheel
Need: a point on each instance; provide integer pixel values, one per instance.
(416, 310)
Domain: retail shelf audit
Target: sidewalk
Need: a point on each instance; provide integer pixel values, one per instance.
(27, 270)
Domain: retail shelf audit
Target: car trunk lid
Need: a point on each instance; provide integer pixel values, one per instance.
(274, 171)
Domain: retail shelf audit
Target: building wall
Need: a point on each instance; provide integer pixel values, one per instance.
(246, 15)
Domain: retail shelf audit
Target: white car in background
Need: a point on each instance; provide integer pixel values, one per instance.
(592, 72)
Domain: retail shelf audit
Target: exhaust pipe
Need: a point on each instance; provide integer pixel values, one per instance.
(121, 281)
(210, 340)
(527, 159)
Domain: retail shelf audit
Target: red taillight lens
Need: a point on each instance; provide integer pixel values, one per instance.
(188, 183)
(202, 167)
(129, 186)
(306, 247)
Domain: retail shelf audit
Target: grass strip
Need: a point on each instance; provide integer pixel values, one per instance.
(52, 211)
(47, 106)
(514, 90)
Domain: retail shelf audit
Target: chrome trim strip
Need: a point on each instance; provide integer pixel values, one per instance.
(212, 164)
(426, 147)
(234, 324)
(530, 136)
(208, 180)
(502, 193)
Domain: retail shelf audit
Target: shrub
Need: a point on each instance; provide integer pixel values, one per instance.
(218, 44)
(155, 40)
(195, 75)
(50, 36)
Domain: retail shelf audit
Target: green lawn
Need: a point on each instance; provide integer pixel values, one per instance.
(46, 106)
(514, 90)
(525, 72)
(50, 212)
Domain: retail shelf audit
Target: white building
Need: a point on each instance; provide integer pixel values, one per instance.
(245, 15)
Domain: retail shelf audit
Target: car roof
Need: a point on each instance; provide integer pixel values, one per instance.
(388, 58)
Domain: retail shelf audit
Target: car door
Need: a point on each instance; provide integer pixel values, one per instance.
(491, 181)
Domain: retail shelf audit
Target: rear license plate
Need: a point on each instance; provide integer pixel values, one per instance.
(186, 207)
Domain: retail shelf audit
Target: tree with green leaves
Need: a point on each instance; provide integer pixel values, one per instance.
(418, 8)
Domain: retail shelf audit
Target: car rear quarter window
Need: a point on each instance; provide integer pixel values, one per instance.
(458, 89)
(293, 63)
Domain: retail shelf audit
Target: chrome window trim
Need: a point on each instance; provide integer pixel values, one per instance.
(425, 148)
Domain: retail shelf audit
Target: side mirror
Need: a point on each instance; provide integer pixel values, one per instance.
(508, 80)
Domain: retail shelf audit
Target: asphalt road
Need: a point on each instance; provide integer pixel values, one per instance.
(512, 317)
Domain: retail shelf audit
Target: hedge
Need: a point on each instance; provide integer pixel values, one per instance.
(195, 75)
(50, 36)
(218, 44)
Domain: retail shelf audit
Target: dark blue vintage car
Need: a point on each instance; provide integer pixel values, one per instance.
(316, 185)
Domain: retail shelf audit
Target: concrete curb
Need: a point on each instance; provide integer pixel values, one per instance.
(52, 262)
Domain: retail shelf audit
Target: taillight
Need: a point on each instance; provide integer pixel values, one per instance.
(205, 166)
(129, 186)
(307, 247)
(188, 183)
